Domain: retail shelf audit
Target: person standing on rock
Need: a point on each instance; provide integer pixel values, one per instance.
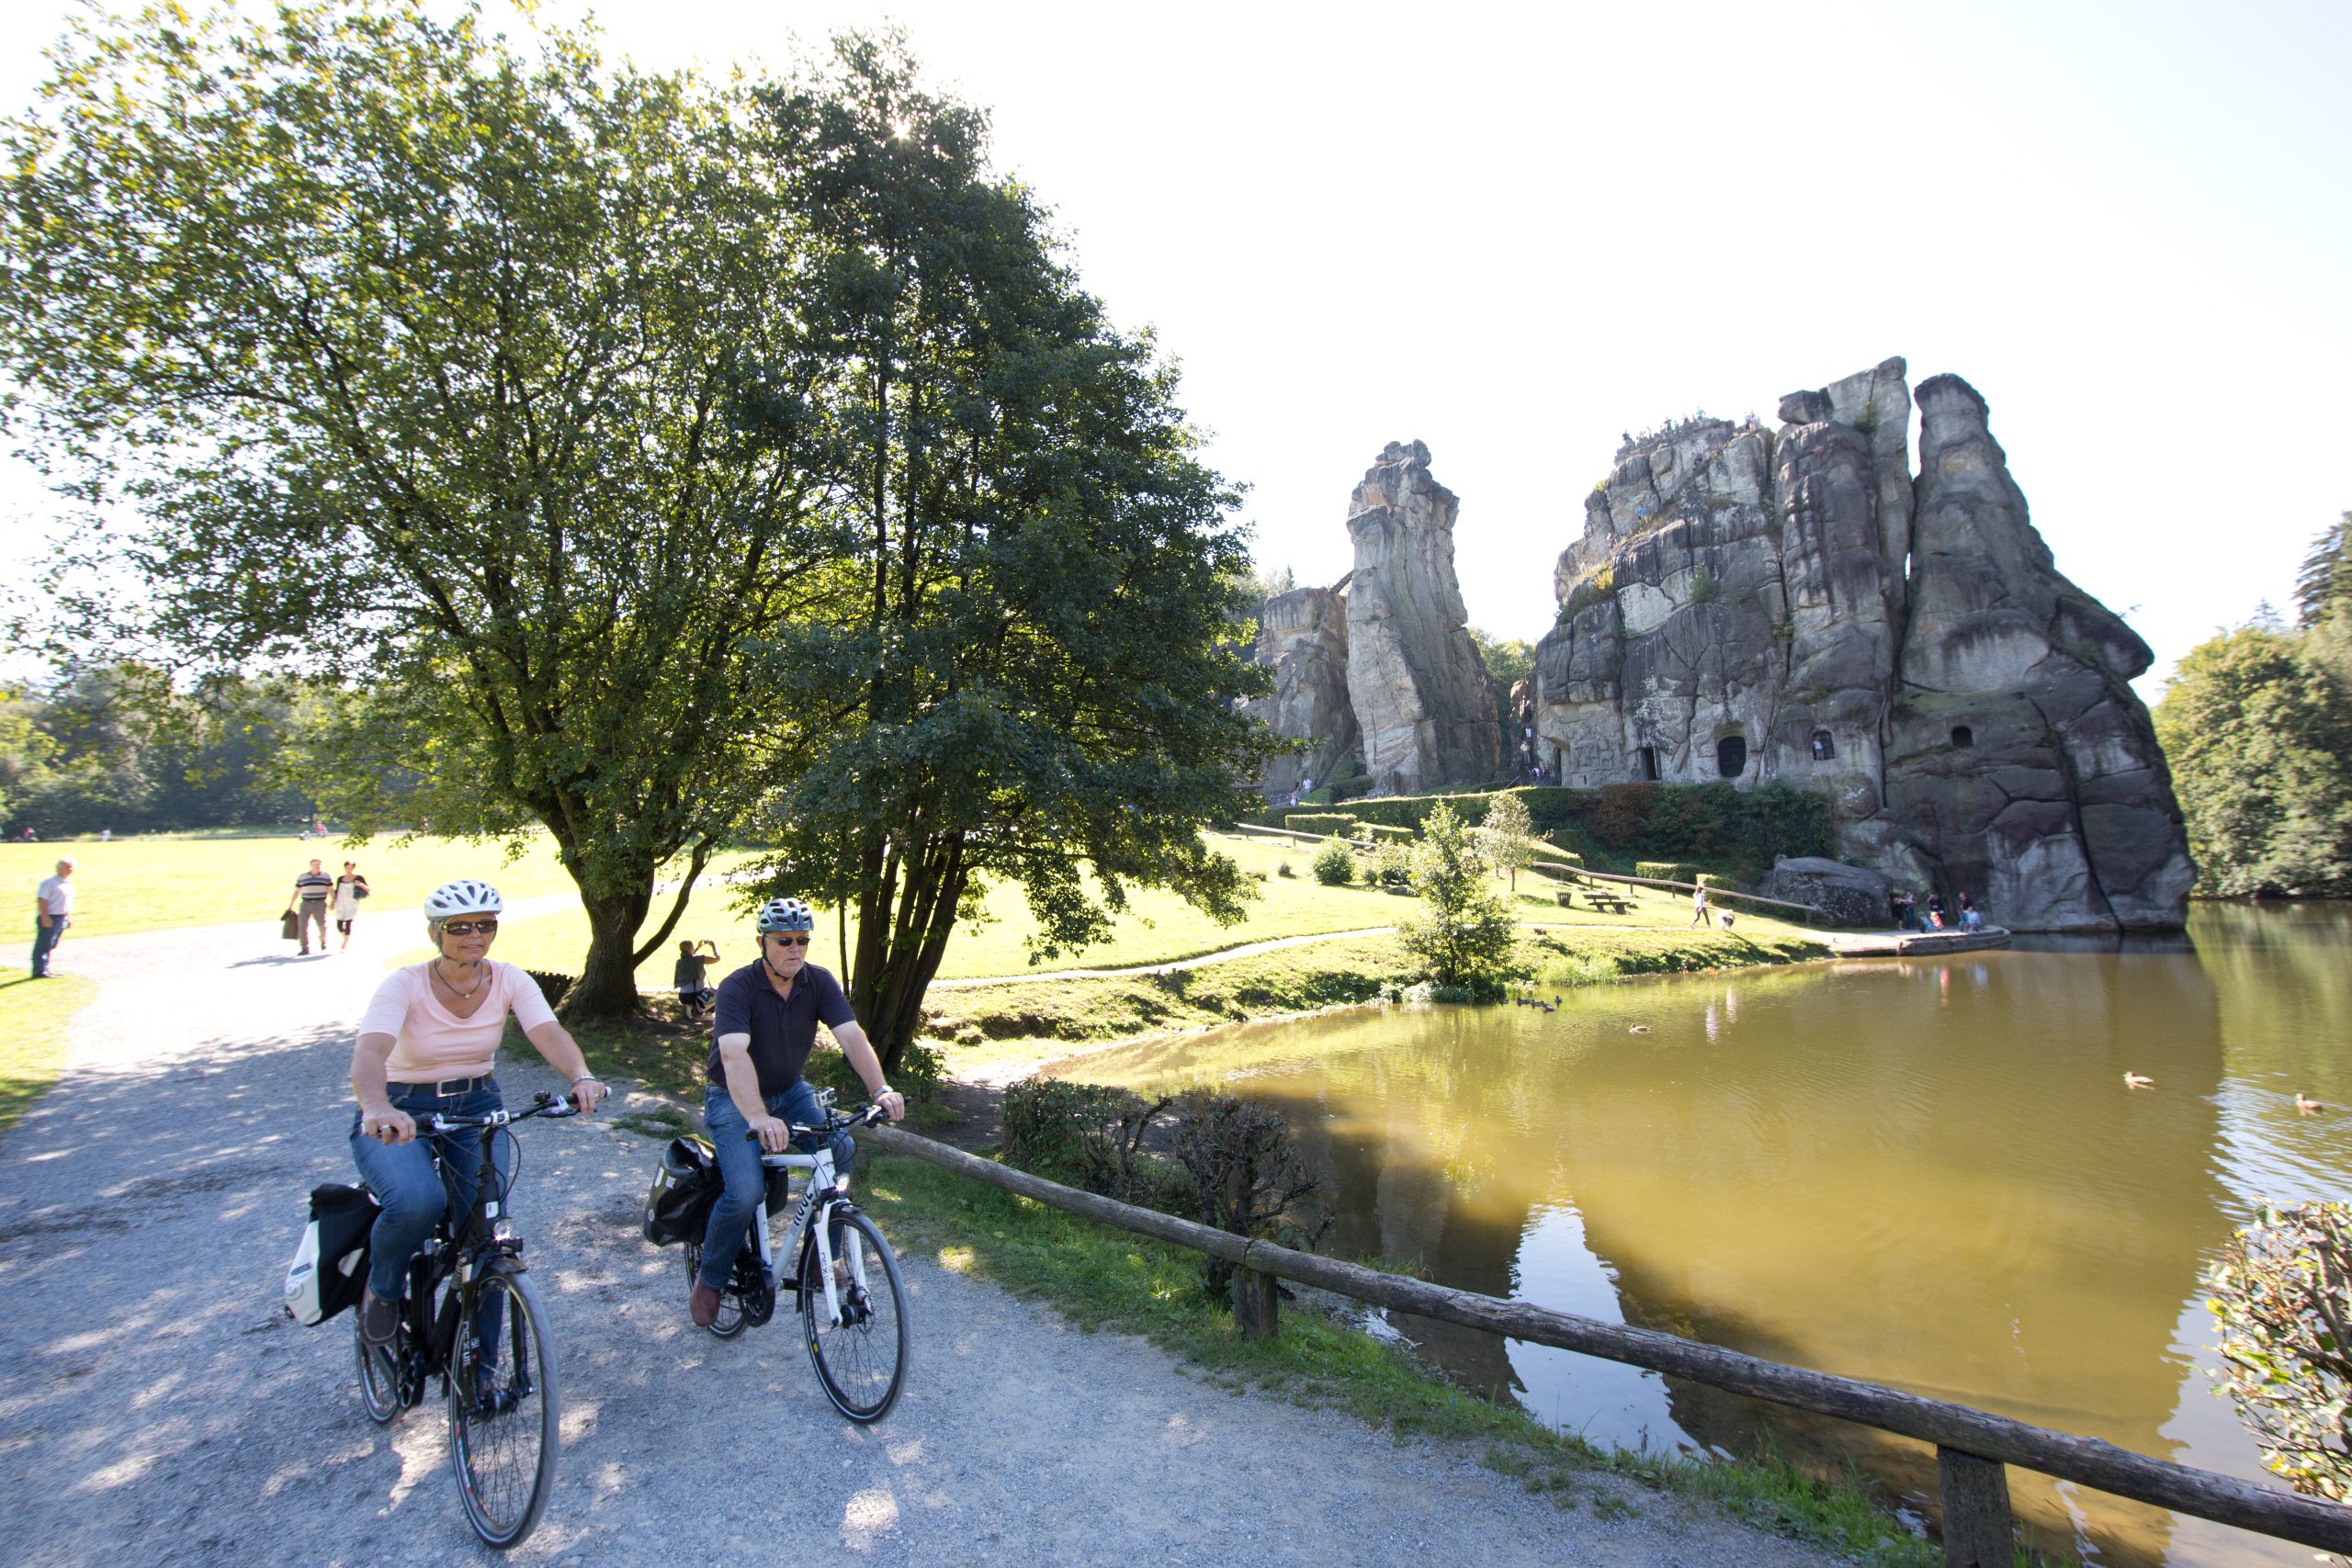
(427, 1045)
(349, 889)
(763, 1028)
(53, 912)
(312, 891)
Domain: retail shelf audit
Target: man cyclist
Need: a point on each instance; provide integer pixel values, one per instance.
(763, 1027)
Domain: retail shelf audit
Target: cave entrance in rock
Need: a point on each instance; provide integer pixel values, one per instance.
(1731, 756)
(1824, 746)
(1645, 764)
(1963, 737)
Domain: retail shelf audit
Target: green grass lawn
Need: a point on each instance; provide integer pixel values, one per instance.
(1159, 928)
(160, 880)
(35, 1016)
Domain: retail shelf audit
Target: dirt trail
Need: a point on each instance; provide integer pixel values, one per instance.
(151, 1392)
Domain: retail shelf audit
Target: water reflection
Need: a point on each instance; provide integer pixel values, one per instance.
(1930, 1175)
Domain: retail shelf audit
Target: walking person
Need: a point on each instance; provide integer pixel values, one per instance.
(349, 889)
(766, 1025)
(428, 1043)
(53, 912)
(312, 891)
(1698, 906)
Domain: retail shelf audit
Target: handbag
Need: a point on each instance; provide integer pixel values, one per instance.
(289, 926)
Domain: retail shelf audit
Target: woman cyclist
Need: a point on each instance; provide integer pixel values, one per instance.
(426, 1045)
(765, 1026)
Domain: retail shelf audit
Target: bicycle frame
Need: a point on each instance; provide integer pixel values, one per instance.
(826, 1190)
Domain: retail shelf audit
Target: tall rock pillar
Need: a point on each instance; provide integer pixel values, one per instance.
(1418, 688)
(1302, 638)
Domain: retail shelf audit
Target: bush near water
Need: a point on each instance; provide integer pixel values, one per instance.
(1714, 826)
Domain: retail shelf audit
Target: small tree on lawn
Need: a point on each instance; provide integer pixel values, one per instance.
(2282, 1299)
(1510, 835)
(1462, 932)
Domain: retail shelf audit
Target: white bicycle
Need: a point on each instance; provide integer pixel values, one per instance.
(844, 1281)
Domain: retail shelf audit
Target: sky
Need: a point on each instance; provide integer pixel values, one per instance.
(1514, 233)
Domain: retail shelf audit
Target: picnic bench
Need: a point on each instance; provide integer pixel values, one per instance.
(1609, 903)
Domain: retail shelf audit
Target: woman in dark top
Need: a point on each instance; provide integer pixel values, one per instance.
(695, 994)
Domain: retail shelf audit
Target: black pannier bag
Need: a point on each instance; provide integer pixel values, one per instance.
(330, 1267)
(685, 1184)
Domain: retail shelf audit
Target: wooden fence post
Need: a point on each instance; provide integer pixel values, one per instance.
(1975, 1495)
(1257, 1300)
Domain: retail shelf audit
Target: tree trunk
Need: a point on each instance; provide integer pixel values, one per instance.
(606, 989)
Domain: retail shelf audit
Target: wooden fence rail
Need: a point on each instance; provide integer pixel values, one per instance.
(1971, 1445)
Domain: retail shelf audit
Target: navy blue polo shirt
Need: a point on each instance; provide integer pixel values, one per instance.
(783, 1028)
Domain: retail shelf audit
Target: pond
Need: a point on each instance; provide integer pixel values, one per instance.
(1927, 1174)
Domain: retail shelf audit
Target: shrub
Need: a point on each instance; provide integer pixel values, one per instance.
(1382, 833)
(2281, 1296)
(1283, 870)
(1392, 867)
(1665, 870)
(1247, 1173)
(1328, 822)
(1335, 866)
(1091, 1136)
(1621, 815)
(917, 1076)
(1462, 932)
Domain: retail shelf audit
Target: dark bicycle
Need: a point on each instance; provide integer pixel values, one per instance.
(472, 1319)
(845, 1283)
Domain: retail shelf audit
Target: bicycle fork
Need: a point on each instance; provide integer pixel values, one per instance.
(811, 1223)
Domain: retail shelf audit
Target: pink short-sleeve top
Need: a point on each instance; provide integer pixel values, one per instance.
(432, 1043)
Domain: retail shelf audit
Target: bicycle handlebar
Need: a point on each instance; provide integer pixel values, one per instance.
(864, 1116)
(546, 1103)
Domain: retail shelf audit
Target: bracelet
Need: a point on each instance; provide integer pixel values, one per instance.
(585, 1078)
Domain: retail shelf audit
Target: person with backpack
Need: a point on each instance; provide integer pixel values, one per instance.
(691, 976)
(349, 889)
(763, 1027)
(428, 1043)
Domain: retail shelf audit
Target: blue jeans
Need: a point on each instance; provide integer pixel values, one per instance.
(746, 1178)
(45, 940)
(405, 1181)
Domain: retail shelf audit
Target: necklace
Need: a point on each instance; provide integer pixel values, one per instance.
(465, 995)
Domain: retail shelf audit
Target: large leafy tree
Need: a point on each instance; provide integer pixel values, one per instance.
(2259, 738)
(422, 360)
(1028, 664)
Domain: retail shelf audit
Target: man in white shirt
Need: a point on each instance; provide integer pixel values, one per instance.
(53, 912)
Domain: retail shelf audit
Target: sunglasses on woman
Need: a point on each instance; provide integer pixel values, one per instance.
(469, 928)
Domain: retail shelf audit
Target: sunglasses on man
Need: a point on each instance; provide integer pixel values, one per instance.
(469, 928)
(788, 940)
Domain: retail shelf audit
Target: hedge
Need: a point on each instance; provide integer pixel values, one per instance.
(1665, 870)
(1382, 833)
(1334, 822)
(1712, 823)
(1709, 879)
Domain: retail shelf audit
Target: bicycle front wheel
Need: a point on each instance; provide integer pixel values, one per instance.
(861, 1358)
(503, 1410)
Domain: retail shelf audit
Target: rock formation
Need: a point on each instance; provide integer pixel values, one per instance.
(1420, 690)
(1749, 603)
(1302, 634)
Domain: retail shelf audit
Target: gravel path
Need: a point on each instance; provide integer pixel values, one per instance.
(152, 1399)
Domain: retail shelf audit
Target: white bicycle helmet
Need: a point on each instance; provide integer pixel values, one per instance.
(786, 915)
(466, 896)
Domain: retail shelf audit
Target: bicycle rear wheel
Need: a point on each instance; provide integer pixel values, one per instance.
(505, 1411)
(380, 1391)
(730, 1319)
(861, 1359)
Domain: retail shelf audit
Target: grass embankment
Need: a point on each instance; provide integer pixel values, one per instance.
(157, 881)
(1101, 1278)
(35, 1020)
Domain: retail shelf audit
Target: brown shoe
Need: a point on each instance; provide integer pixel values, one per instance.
(702, 1302)
(379, 1319)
